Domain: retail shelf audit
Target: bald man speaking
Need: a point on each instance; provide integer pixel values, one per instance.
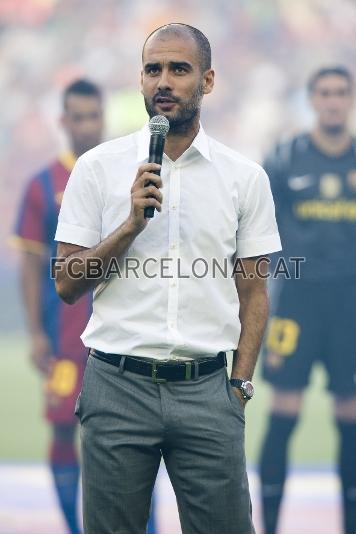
(156, 382)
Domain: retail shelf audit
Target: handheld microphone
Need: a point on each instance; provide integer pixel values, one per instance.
(159, 127)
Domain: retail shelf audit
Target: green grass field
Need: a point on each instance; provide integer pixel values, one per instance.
(24, 434)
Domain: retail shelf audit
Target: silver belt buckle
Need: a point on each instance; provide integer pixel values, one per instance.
(154, 374)
(188, 370)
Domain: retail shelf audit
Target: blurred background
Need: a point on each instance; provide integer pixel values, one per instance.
(263, 53)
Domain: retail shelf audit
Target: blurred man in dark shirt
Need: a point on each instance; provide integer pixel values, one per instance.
(313, 179)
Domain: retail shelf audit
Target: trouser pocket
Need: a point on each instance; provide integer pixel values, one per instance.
(77, 406)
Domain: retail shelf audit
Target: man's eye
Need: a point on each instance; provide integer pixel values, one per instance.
(152, 71)
(180, 70)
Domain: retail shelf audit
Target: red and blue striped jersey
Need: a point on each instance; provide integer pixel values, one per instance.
(35, 230)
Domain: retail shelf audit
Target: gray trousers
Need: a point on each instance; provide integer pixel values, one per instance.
(128, 423)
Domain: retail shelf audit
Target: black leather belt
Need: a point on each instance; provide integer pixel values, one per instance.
(163, 371)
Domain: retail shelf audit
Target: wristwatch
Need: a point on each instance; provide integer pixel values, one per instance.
(245, 386)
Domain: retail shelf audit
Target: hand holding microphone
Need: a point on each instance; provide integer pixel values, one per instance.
(145, 192)
(145, 196)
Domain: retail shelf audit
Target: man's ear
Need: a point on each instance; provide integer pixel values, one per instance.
(141, 82)
(208, 81)
(62, 121)
(313, 102)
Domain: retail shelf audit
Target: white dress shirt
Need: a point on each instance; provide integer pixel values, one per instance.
(217, 205)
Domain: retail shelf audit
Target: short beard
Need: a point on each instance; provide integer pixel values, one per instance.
(80, 147)
(333, 130)
(186, 117)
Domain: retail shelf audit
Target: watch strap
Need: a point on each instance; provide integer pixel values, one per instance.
(236, 382)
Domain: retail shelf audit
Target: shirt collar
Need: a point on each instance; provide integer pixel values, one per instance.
(200, 143)
(68, 160)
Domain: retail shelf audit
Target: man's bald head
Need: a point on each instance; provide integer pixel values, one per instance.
(183, 31)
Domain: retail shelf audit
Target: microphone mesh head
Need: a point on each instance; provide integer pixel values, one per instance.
(159, 125)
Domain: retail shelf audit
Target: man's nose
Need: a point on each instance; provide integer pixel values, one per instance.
(165, 81)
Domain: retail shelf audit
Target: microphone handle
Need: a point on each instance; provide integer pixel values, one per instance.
(155, 156)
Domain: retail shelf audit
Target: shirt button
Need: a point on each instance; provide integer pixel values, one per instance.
(173, 284)
(174, 207)
(174, 246)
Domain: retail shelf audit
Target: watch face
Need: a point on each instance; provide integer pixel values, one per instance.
(248, 388)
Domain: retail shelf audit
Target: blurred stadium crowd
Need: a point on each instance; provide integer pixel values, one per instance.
(263, 52)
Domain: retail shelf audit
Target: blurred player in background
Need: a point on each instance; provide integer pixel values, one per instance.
(313, 179)
(55, 327)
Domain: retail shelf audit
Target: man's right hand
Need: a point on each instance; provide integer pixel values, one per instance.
(41, 352)
(143, 196)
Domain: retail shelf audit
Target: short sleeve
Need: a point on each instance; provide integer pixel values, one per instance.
(79, 221)
(30, 230)
(257, 232)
